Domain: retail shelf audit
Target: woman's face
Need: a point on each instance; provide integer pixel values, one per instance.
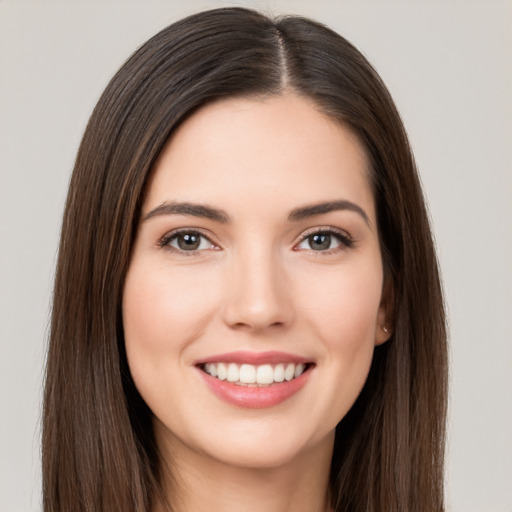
(253, 300)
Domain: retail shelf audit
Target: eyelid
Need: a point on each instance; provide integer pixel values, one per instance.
(165, 239)
(343, 237)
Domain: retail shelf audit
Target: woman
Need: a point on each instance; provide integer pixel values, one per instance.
(247, 305)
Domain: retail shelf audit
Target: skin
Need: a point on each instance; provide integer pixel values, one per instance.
(257, 284)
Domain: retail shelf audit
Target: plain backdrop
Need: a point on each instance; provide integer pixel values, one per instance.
(448, 66)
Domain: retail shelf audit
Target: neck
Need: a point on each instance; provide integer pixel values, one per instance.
(201, 484)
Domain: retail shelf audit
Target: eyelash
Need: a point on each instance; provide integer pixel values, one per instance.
(169, 237)
(344, 239)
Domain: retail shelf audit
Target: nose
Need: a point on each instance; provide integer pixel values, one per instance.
(258, 294)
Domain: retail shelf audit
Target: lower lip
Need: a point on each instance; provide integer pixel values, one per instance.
(255, 397)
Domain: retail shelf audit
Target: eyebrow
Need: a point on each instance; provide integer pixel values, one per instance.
(327, 207)
(215, 214)
(196, 210)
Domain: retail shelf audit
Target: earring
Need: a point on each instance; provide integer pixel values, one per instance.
(385, 329)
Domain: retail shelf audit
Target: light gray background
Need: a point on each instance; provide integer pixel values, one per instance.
(448, 65)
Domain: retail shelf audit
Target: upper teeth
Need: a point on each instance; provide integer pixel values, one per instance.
(250, 374)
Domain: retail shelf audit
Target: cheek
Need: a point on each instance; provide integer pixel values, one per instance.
(163, 312)
(345, 326)
(344, 305)
(342, 310)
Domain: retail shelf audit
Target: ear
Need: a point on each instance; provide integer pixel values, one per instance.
(385, 315)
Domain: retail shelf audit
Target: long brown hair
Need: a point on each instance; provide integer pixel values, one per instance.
(99, 451)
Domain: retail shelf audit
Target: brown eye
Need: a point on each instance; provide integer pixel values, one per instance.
(319, 242)
(325, 240)
(188, 241)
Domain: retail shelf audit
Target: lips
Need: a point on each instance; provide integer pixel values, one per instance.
(255, 380)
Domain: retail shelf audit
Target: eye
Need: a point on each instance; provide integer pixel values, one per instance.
(187, 241)
(324, 240)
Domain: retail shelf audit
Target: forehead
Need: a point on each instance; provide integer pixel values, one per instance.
(279, 148)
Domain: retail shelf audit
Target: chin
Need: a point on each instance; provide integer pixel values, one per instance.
(263, 444)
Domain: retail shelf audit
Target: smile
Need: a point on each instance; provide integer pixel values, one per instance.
(255, 380)
(252, 375)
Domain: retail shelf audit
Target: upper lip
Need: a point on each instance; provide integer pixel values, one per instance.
(254, 358)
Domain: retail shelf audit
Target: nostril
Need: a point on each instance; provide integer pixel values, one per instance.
(257, 325)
